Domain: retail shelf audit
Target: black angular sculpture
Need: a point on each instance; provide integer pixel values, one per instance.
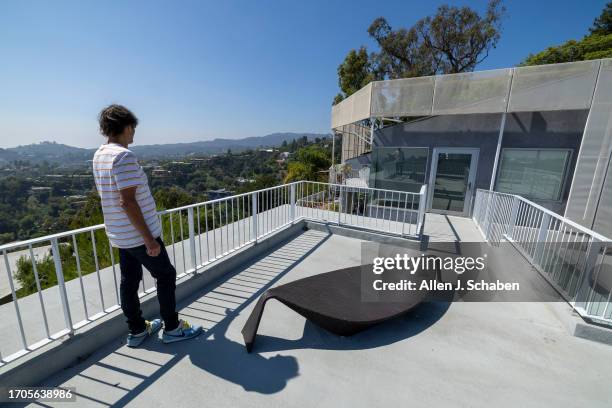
(333, 301)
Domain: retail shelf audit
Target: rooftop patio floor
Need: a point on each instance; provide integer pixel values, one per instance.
(459, 354)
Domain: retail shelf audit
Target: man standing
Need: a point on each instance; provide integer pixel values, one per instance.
(132, 226)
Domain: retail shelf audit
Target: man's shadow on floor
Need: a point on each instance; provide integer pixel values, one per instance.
(220, 356)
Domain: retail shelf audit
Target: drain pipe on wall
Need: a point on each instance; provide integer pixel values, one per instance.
(500, 138)
(333, 146)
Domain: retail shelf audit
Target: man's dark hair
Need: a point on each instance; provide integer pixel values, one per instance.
(114, 119)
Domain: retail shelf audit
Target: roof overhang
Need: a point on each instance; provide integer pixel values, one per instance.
(552, 87)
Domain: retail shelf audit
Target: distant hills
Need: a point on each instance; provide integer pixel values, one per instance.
(57, 152)
(49, 151)
(220, 145)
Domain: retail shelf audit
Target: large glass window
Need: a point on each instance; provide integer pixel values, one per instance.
(398, 168)
(537, 174)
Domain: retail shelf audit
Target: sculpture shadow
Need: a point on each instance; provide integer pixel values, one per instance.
(391, 331)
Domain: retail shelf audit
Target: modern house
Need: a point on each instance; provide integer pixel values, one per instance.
(541, 132)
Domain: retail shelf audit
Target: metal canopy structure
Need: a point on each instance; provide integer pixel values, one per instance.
(523, 89)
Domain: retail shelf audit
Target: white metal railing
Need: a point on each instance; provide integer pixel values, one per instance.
(74, 279)
(395, 212)
(574, 259)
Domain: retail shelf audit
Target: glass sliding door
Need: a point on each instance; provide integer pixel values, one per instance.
(400, 169)
(453, 172)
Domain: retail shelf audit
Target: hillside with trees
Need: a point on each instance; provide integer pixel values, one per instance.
(43, 198)
(594, 45)
(27, 212)
(53, 152)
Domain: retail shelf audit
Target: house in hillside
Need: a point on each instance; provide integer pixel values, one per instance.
(220, 193)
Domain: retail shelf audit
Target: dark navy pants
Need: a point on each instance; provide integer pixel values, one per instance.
(131, 261)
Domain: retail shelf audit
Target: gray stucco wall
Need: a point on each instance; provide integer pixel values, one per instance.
(558, 129)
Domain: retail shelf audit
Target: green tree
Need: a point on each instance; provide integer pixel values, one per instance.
(458, 38)
(455, 39)
(299, 171)
(172, 197)
(603, 23)
(264, 181)
(597, 44)
(89, 214)
(354, 73)
(308, 164)
(25, 274)
(6, 237)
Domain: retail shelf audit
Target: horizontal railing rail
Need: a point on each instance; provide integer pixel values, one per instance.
(575, 260)
(60, 283)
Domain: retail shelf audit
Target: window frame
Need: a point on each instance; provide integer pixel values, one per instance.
(564, 177)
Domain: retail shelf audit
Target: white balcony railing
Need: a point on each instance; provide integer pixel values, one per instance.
(75, 282)
(574, 259)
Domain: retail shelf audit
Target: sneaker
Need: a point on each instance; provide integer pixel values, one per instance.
(184, 331)
(152, 327)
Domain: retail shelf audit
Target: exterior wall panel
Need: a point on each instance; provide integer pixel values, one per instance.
(589, 204)
(603, 216)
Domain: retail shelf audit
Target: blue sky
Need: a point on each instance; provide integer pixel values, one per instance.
(196, 70)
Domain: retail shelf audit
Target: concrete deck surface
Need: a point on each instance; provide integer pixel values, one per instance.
(449, 228)
(459, 354)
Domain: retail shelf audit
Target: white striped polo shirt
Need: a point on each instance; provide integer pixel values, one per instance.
(116, 168)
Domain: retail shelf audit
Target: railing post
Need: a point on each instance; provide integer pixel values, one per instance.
(254, 212)
(422, 205)
(339, 205)
(541, 240)
(405, 210)
(475, 208)
(583, 293)
(490, 211)
(15, 301)
(192, 243)
(292, 198)
(59, 272)
(513, 217)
